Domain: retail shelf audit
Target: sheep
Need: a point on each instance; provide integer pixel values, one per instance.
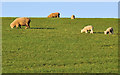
(109, 30)
(87, 28)
(54, 15)
(73, 17)
(18, 22)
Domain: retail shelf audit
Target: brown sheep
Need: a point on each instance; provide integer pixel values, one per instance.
(86, 28)
(18, 22)
(54, 15)
(73, 17)
(109, 30)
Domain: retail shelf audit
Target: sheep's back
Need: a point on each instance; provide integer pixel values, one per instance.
(88, 27)
(22, 21)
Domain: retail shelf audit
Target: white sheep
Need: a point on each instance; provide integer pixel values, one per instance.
(109, 31)
(18, 22)
(87, 28)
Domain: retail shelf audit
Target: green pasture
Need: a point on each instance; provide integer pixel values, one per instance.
(56, 45)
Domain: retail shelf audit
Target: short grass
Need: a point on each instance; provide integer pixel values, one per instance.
(56, 46)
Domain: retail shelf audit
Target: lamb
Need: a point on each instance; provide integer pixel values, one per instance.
(109, 31)
(87, 28)
(18, 22)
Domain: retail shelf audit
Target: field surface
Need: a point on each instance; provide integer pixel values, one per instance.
(57, 46)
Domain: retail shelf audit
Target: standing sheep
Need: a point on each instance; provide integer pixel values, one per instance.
(109, 31)
(87, 28)
(73, 17)
(18, 22)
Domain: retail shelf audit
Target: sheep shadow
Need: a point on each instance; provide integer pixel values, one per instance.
(41, 28)
(99, 32)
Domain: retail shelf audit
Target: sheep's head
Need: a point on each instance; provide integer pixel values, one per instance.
(12, 26)
(91, 32)
(82, 31)
(105, 32)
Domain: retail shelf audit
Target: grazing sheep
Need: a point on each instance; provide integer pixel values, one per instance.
(109, 31)
(18, 22)
(87, 28)
(73, 17)
(54, 15)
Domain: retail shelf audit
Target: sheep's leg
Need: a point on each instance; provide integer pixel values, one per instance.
(27, 26)
(17, 25)
(57, 16)
(109, 32)
(86, 31)
(112, 32)
(20, 26)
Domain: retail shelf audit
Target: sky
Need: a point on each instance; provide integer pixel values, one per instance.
(60, 0)
(66, 9)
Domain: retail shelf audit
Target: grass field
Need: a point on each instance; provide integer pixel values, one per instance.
(57, 45)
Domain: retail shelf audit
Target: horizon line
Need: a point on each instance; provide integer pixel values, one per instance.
(59, 17)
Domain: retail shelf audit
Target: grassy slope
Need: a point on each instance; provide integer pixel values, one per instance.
(56, 45)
